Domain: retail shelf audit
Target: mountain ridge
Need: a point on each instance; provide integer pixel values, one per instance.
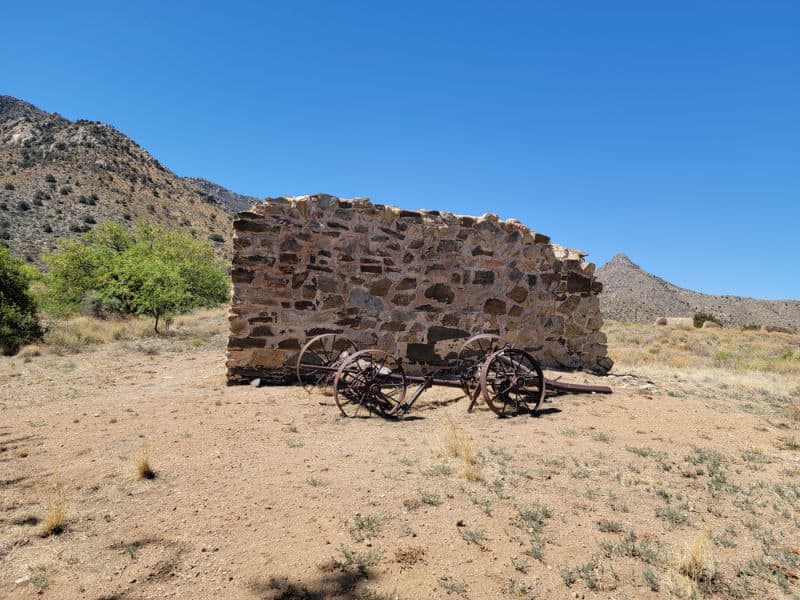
(58, 178)
(631, 293)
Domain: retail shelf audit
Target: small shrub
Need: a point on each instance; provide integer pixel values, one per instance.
(430, 498)
(701, 317)
(56, 517)
(49, 178)
(65, 190)
(10, 186)
(143, 470)
(366, 526)
(652, 579)
(215, 237)
(473, 536)
(23, 206)
(609, 526)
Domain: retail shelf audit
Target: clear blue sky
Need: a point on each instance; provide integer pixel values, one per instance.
(669, 131)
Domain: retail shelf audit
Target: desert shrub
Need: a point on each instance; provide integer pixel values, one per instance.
(154, 272)
(23, 206)
(49, 178)
(701, 317)
(215, 237)
(18, 321)
(65, 190)
(10, 186)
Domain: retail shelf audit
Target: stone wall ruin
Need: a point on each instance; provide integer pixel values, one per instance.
(413, 283)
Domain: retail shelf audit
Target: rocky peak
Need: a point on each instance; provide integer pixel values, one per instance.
(12, 108)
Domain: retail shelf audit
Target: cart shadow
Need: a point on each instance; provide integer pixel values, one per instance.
(542, 412)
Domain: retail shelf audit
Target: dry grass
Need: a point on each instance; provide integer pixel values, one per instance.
(697, 561)
(142, 467)
(455, 443)
(637, 344)
(56, 516)
(82, 333)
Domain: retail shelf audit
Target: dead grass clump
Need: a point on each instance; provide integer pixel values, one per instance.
(56, 517)
(455, 443)
(793, 412)
(143, 470)
(696, 569)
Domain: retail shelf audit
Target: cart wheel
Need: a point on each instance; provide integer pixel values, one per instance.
(370, 381)
(319, 359)
(512, 382)
(470, 358)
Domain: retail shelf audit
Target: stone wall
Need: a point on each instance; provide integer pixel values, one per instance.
(414, 283)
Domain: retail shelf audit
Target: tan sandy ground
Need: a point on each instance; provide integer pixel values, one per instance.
(268, 493)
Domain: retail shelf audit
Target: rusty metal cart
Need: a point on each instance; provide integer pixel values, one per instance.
(373, 381)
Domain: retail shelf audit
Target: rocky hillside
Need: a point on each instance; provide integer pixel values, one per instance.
(59, 178)
(632, 294)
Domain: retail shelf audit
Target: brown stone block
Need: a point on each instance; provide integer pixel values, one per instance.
(402, 299)
(483, 278)
(518, 294)
(494, 306)
(409, 283)
(569, 305)
(269, 358)
(577, 283)
(380, 287)
(237, 325)
(441, 293)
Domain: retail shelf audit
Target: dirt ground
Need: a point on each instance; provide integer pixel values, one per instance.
(683, 483)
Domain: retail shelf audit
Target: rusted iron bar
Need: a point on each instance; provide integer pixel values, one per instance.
(576, 388)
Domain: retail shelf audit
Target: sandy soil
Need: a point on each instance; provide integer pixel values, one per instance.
(269, 493)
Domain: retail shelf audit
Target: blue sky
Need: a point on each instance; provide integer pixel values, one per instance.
(668, 131)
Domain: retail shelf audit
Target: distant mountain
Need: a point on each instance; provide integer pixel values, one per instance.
(632, 294)
(229, 201)
(59, 178)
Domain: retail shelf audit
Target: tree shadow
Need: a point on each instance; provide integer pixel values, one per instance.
(342, 584)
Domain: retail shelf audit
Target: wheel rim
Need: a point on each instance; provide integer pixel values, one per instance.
(472, 355)
(370, 381)
(511, 382)
(318, 359)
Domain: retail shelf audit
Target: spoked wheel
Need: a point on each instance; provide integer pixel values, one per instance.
(319, 359)
(470, 358)
(512, 382)
(370, 381)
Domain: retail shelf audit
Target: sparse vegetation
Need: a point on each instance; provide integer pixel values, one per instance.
(142, 467)
(55, 518)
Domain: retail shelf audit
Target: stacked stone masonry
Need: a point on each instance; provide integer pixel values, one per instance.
(413, 283)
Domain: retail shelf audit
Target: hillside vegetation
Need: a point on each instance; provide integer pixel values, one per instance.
(58, 178)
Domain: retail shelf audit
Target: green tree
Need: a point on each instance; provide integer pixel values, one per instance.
(18, 321)
(82, 265)
(155, 271)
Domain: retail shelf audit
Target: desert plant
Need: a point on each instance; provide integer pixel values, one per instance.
(701, 317)
(142, 467)
(19, 324)
(56, 516)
